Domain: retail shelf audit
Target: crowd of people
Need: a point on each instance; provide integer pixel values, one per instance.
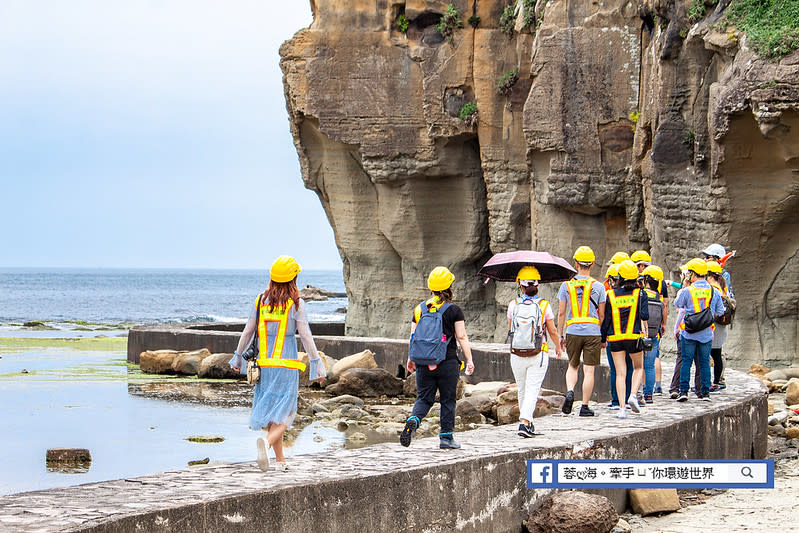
(625, 315)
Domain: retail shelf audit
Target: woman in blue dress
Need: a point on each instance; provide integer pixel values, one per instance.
(277, 316)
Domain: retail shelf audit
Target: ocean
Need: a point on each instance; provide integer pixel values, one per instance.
(65, 298)
(65, 381)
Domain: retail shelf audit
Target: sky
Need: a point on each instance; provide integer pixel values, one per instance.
(151, 134)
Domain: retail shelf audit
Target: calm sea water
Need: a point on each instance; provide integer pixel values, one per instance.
(56, 393)
(112, 296)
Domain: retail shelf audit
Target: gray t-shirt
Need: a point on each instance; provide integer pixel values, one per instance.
(597, 295)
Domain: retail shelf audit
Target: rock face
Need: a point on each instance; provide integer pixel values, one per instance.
(629, 126)
(562, 512)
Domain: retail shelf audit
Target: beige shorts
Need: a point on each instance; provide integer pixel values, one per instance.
(590, 347)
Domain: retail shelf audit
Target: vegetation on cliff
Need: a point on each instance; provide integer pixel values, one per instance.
(771, 25)
(450, 21)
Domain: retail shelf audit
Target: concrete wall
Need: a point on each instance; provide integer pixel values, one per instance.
(492, 361)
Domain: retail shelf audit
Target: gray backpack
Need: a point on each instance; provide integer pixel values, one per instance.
(526, 333)
(655, 314)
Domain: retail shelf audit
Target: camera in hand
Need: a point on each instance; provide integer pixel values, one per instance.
(252, 350)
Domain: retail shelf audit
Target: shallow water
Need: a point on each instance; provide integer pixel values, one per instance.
(75, 394)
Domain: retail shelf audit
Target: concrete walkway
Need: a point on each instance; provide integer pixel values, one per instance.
(382, 481)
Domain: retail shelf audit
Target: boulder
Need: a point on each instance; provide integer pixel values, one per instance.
(566, 512)
(792, 433)
(68, 457)
(758, 370)
(367, 382)
(332, 403)
(548, 405)
(505, 388)
(468, 412)
(792, 393)
(509, 397)
(217, 366)
(484, 387)
(777, 430)
(483, 403)
(507, 413)
(157, 361)
(622, 526)
(650, 501)
(364, 359)
(329, 362)
(188, 363)
(349, 412)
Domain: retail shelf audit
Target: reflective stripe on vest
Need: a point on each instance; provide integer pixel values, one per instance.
(543, 305)
(652, 294)
(281, 316)
(580, 311)
(698, 294)
(616, 304)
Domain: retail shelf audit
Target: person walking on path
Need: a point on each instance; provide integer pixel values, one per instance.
(624, 325)
(653, 278)
(716, 279)
(581, 308)
(530, 369)
(441, 377)
(277, 316)
(696, 337)
(611, 282)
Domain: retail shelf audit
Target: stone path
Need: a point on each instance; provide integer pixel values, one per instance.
(75, 507)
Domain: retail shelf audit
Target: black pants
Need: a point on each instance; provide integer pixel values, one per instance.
(718, 364)
(443, 379)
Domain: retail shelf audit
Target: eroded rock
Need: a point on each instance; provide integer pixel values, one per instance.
(566, 512)
(366, 382)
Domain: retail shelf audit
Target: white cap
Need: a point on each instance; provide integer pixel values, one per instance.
(528, 282)
(715, 250)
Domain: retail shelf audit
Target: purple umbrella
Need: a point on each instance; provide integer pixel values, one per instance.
(505, 266)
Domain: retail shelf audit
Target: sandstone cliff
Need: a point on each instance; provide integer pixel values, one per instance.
(629, 126)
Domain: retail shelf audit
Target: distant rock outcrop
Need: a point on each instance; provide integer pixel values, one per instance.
(629, 126)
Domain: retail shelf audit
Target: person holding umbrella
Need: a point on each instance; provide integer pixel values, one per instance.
(530, 316)
(582, 309)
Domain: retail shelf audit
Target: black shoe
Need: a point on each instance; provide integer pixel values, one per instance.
(648, 398)
(567, 405)
(683, 397)
(407, 433)
(447, 442)
(586, 411)
(705, 398)
(674, 395)
(526, 431)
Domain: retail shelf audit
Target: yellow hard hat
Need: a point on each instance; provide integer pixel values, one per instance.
(714, 266)
(641, 255)
(653, 272)
(612, 272)
(628, 270)
(440, 279)
(284, 269)
(584, 254)
(697, 266)
(618, 257)
(528, 273)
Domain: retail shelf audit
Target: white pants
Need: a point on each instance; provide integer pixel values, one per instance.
(529, 373)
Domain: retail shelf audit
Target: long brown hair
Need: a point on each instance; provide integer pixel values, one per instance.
(277, 294)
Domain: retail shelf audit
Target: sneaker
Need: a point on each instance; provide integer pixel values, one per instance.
(263, 457)
(722, 386)
(586, 411)
(411, 426)
(613, 407)
(633, 403)
(281, 466)
(447, 442)
(658, 390)
(648, 398)
(567, 405)
(705, 398)
(683, 397)
(526, 431)
(714, 388)
(622, 413)
(674, 395)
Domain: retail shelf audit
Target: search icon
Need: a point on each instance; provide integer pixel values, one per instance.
(747, 472)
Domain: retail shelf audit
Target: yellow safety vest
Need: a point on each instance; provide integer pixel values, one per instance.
(281, 316)
(653, 295)
(715, 285)
(431, 303)
(616, 304)
(579, 311)
(697, 295)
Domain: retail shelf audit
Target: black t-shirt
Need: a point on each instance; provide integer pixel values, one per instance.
(452, 314)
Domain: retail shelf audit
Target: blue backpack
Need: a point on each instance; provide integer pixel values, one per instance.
(428, 344)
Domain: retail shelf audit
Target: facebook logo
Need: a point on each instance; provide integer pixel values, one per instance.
(540, 474)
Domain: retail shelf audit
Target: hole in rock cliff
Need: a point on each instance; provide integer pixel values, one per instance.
(423, 29)
(455, 98)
